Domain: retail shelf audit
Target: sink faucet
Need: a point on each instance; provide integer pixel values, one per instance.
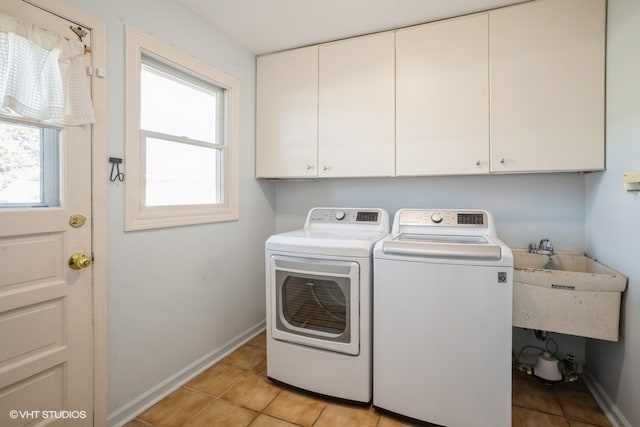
(544, 248)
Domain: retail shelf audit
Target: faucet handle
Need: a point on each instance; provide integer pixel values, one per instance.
(532, 248)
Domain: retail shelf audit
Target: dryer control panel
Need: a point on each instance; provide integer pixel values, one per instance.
(356, 219)
(336, 215)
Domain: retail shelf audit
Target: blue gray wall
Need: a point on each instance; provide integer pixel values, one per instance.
(178, 296)
(526, 208)
(613, 216)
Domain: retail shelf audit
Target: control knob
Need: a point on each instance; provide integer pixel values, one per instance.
(437, 218)
(340, 215)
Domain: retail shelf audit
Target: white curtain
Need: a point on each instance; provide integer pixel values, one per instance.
(42, 75)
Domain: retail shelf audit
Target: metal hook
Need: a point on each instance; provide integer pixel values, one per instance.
(116, 175)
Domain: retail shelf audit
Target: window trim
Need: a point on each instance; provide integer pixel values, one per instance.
(138, 216)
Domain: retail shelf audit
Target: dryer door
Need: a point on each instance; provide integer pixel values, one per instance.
(316, 303)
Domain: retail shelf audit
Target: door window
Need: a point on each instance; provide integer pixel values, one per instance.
(29, 165)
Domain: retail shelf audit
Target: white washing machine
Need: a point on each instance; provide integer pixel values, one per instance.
(319, 300)
(443, 291)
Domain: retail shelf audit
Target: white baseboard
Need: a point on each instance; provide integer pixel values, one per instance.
(147, 399)
(608, 406)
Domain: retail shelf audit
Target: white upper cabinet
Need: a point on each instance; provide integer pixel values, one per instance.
(516, 89)
(356, 127)
(547, 63)
(287, 114)
(442, 98)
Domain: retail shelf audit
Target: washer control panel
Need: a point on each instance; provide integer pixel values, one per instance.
(444, 218)
(346, 216)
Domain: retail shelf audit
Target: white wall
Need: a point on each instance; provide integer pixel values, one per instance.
(178, 295)
(613, 216)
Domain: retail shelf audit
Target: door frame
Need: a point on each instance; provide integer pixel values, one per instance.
(99, 197)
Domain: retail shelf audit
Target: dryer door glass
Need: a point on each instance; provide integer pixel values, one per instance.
(321, 305)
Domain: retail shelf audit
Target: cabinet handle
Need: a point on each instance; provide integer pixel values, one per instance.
(502, 161)
(309, 167)
(325, 168)
(477, 162)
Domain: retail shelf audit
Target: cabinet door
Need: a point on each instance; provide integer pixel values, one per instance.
(287, 114)
(442, 98)
(356, 107)
(547, 86)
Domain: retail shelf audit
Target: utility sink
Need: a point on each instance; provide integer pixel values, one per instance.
(568, 293)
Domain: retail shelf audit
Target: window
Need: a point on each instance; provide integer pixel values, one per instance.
(29, 165)
(181, 148)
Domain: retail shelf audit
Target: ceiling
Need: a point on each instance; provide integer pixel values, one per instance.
(264, 26)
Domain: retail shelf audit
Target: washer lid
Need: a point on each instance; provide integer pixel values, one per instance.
(443, 246)
(442, 238)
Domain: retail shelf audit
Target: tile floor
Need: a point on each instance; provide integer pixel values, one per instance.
(236, 392)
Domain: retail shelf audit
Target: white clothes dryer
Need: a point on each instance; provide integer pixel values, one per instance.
(318, 288)
(442, 319)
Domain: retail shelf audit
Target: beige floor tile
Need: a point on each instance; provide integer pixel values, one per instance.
(259, 340)
(523, 417)
(576, 386)
(267, 421)
(217, 379)
(581, 406)
(246, 357)
(240, 382)
(136, 423)
(253, 392)
(261, 369)
(296, 408)
(343, 415)
(223, 414)
(535, 395)
(175, 409)
(581, 424)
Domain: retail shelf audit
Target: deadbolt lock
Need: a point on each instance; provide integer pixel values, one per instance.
(77, 220)
(79, 261)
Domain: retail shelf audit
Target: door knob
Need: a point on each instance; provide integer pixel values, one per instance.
(79, 261)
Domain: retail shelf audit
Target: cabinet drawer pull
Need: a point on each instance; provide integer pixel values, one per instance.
(309, 167)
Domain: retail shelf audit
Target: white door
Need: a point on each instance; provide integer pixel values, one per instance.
(46, 332)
